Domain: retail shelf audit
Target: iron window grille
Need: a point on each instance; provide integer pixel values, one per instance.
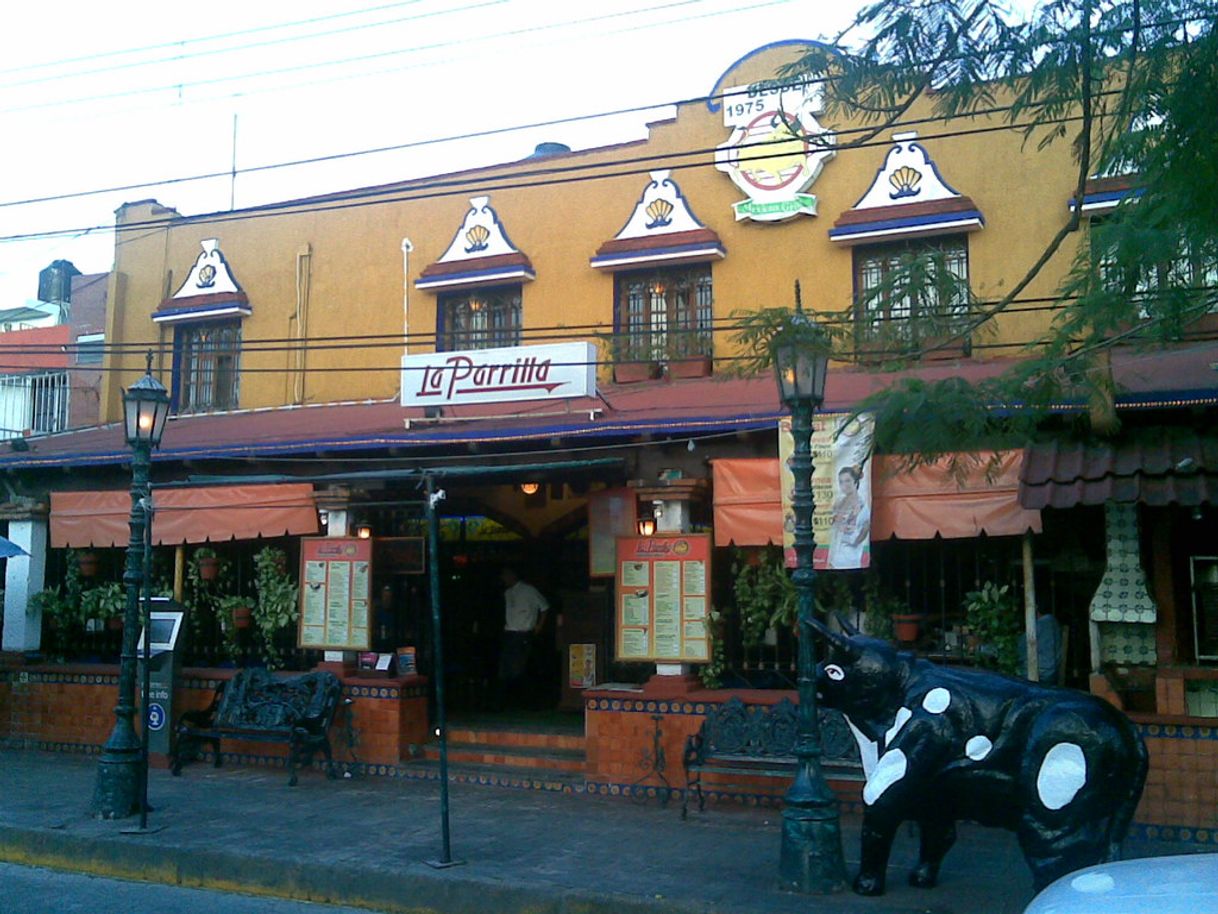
(910, 291)
(480, 318)
(34, 403)
(207, 367)
(664, 315)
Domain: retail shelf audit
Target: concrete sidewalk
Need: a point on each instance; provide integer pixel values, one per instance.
(363, 841)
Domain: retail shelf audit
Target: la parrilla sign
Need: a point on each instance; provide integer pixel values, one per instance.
(517, 373)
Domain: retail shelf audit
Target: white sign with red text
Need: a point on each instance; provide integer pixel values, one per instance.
(547, 372)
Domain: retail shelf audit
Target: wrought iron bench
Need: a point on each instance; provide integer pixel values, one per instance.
(260, 707)
(739, 742)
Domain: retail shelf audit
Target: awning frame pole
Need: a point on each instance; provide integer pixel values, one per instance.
(437, 651)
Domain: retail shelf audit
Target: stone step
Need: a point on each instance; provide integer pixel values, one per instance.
(498, 754)
(496, 736)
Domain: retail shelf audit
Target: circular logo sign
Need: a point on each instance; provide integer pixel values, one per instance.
(156, 716)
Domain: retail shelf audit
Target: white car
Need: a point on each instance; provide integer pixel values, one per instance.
(1183, 884)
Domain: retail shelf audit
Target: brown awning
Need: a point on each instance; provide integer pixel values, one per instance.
(210, 514)
(931, 500)
(1154, 466)
(927, 502)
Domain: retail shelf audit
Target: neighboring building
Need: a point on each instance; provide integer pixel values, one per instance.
(340, 336)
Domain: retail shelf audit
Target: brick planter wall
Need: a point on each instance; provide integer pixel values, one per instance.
(70, 708)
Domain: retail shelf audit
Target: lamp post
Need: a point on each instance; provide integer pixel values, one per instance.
(117, 793)
(811, 856)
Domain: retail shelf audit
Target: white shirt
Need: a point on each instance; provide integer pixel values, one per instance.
(523, 604)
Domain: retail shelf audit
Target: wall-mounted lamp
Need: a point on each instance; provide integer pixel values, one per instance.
(530, 488)
(323, 517)
(647, 526)
(363, 531)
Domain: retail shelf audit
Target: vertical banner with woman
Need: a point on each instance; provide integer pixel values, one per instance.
(841, 487)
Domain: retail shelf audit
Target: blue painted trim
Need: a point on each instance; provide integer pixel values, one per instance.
(1109, 196)
(202, 311)
(641, 255)
(888, 225)
(713, 104)
(678, 425)
(491, 274)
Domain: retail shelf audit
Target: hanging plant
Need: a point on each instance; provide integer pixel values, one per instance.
(87, 563)
(207, 563)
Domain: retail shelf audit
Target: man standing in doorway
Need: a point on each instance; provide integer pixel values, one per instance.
(524, 615)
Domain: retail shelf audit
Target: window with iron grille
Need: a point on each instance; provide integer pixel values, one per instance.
(1182, 278)
(207, 367)
(905, 291)
(665, 314)
(33, 403)
(480, 318)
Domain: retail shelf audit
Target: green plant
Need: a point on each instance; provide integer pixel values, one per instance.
(226, 610)
(880, 606)
(993, 615)
(56, 609)
(711, 673)
(106, 601)
(277, 605)
(764, 594)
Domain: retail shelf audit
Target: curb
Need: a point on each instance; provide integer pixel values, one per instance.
(412, 891)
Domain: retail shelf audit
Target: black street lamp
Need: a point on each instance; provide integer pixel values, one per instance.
(117, 794)
(811, 857)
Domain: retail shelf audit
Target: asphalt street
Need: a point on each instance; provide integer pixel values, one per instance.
(34, 890)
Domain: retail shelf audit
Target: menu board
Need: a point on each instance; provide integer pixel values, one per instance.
(335, 588)
(662, 598)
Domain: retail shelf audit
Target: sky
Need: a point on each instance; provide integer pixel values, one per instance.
(97, 96)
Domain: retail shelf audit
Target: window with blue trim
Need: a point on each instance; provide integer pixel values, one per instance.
(665, 314)
(206, 366)
(479, 318)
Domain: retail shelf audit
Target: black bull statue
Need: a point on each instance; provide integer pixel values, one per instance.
(1062, 769)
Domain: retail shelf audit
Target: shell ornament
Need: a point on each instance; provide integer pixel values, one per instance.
(904, 181)
(207, 276)
(660, 211)
(477, 237)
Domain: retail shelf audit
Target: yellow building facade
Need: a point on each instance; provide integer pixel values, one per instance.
(334, 268)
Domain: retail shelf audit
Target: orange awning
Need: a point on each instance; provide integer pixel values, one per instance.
(210, 514)
(918, 505)
(748, 502)
(930, 500)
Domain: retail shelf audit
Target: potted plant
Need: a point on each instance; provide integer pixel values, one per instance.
(764, 594)
(104, 605)
(235, 612)
(207, 563)
(994, 620)
(688, 354)
(277, 606)
(633, 358)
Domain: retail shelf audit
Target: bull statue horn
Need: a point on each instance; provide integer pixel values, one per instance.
(835, 638)
(846, 624)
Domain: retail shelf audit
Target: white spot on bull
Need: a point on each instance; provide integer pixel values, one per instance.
(1062, 774)
(978, 748)
(1093, 883)
(890, 769)
(937, 700)
(869, 751)
(903, 716)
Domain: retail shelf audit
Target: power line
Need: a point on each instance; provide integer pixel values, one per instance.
(183, 58)
(440, 188)
(314, 65)
(482, 134)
